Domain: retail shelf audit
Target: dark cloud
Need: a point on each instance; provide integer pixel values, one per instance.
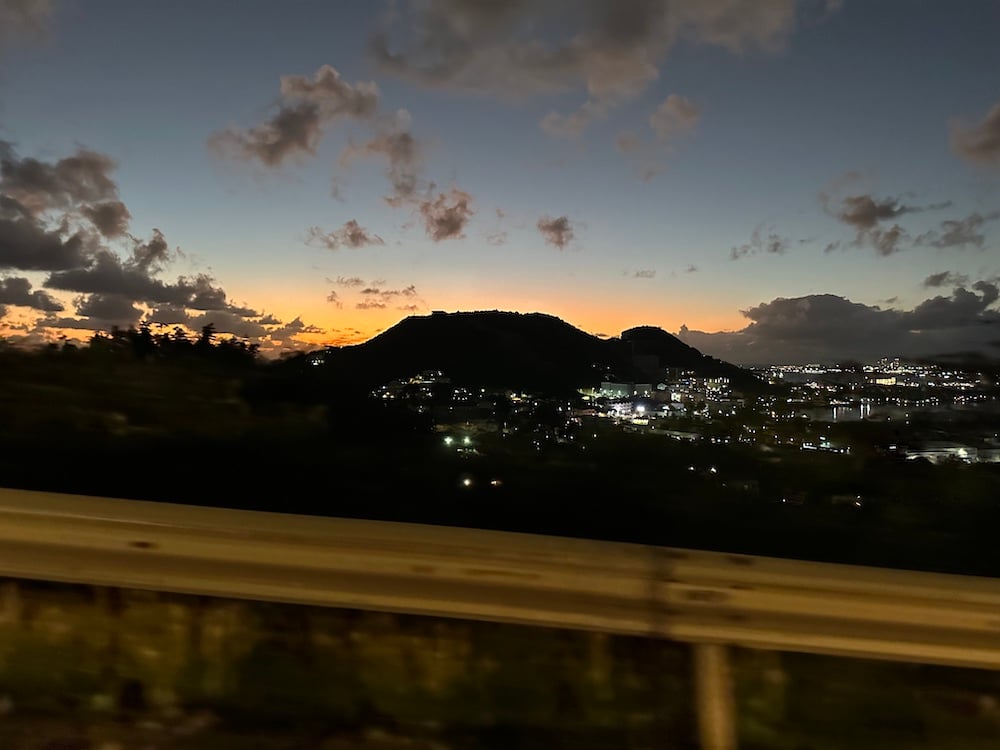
(168, 315)
(334, 298)
(864, 212)
(379, 298)
(41, 186)
(109, 275)
(946, 278)
(401, 152)
(306, 107)
(294, 129)
(691, 269)
(289, 331)
(26, 245)
(42, 203)
(959, 232)
(17, 290)
(409, 291)
(31, 190)
(644, 273)
(445, 217)
(76, 324)
(611, 50)
(829, 328)
(978, 143)
(885, 241)
(152, 255)
(351, 235)
(226, 321)
(110, 218)
(109, 308)
(764, 240)
(557, 231)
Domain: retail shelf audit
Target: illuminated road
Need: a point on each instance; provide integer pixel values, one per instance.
(619, 588)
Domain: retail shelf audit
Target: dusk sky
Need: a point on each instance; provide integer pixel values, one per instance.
(772, 180)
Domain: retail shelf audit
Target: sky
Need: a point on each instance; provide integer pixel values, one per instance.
(770, 180)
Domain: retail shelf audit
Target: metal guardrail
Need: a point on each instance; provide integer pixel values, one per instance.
(679, 594)
(707, 598)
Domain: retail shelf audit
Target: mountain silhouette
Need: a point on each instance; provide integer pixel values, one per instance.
(531, 351)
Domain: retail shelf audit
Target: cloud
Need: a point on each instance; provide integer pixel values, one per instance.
(946, 278)
(26, 245)
(379, 298)
(265, 329)
(152, 255)
(110, 218)
(404, 159)
(109, 308)
(56, 216)
(23, 19)
(573, 124)
(108, 274)
(557, 231)
(40, 202)
(691, 269)
(41, 186)
(17, 291)
(675, 117)
(518, 49)
(445, 217)
(496, 239)
(829, 328)
(644, 273)
(334, 298)
(863, 212)
(885, 241)
(306, 108)
(959, 232)
(978, 143)
(289, 331)
(772, 243)
(627, 141)
(351, 235)
(348, 281)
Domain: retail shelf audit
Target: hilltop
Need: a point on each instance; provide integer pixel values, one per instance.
(519, 350)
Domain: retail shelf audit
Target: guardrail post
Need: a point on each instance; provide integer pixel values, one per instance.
(714, 693)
